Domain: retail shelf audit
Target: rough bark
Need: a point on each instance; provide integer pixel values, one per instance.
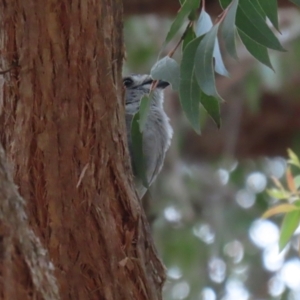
(62, 126)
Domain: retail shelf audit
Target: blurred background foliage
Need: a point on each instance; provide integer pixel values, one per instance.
(205, 206)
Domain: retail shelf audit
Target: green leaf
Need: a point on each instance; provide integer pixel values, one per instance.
(278, 194)
(204, 69)
(189, 36)
(289, 225)
(143, 111)
(271, 11)
(187, 7)
(189, 91)
(259, 8)
(297, 181)
(167, 69)
(258, 51)
(251, 23)
(204, 25)
(139, 164)
(219, 64)
(280, 209)
(297, 2)
(293, 158)
(228, 29)
(224, 3)
(212, 106)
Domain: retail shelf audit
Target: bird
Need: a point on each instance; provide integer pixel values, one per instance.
(157, 133)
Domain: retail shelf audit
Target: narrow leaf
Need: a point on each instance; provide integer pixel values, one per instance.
(297, 181)
(189, 36)
(204, 63)
(219, 64)
(204, 25)
(270, 9)
(139, 165)
(278, 194)
(258, 51)
(290, 181)
(297, 2)
(212, 106)
(167, 69)
(189, 91)
(293, 158)
(259, 9)
(228, 29)
(224, 3)
(289, 225)
(143, 111)
(187, 7)
(252, 24)
(279, 209)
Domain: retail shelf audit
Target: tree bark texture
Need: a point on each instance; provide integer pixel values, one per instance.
(63, 130)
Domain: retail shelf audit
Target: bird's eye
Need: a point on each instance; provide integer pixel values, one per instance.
(127, 82)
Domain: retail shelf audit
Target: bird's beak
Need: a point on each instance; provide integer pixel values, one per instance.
(162, 84)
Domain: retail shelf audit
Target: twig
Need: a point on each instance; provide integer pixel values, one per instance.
(171, 53)
(222, 15)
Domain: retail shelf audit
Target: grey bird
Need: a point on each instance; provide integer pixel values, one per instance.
(157, 132)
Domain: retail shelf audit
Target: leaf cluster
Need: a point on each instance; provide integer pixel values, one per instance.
(194, 77)
(290, 196)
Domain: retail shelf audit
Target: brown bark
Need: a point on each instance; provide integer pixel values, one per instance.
(62, 126)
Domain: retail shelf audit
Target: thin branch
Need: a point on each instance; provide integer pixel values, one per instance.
(171, 53)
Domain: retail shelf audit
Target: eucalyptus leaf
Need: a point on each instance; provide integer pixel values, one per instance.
(297, 2)
(259, 8)
(189, 36)
(228, 29)
(187, 7)
(139, 164)
(257, 50)
(212, 106)
(204, 25)
(143, 111)
(251, 23)
(224, 3)
(189, 91)
(271, 10)
(204, 69)
(219, 64)
(167, 69)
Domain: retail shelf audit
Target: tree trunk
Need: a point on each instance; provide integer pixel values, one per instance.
(63, 130)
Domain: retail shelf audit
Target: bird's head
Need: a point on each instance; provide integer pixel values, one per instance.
(139, 85)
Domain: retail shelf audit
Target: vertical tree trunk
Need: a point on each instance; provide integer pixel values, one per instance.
(62, 127)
